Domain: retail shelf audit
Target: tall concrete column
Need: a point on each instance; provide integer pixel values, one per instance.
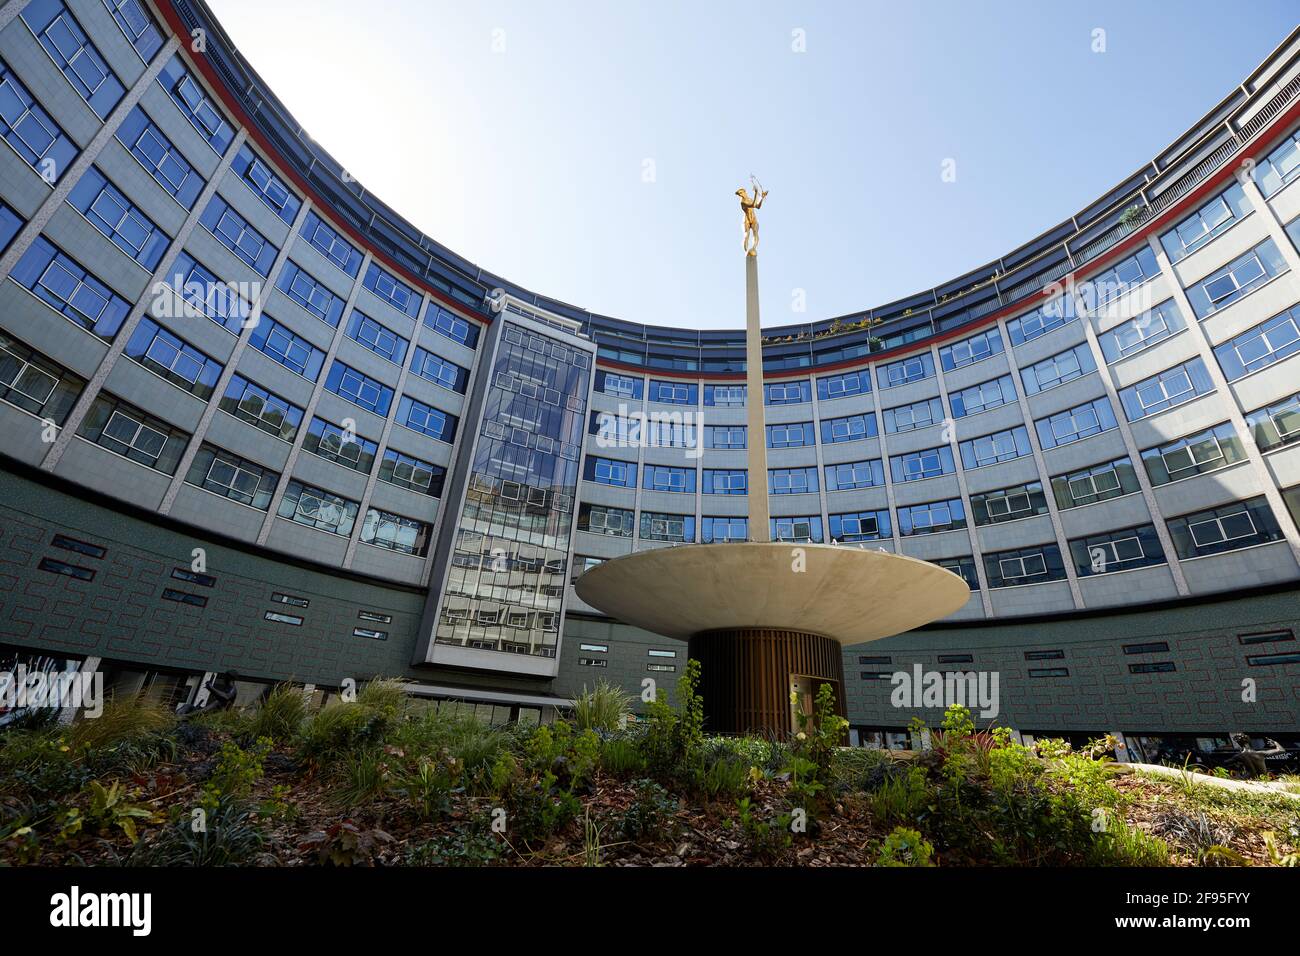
(756, 442)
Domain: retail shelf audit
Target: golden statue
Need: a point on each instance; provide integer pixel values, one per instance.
(748, 205)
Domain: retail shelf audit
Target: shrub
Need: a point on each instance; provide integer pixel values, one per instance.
(900, 797)
(1013, 766)
(123, 718)
(904, 847)
(621, 757)
(342, 728)
(280, 715)
(1122, 845)
(360, 778)
(651, 813)
(673, 742)
(604, 708)
(473, 847)
(763, 838)
(236, 771)
(725, 778)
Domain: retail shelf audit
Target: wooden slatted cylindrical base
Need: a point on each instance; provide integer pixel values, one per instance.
(746, 676)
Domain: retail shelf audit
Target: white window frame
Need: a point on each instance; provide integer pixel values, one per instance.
(1217, 523)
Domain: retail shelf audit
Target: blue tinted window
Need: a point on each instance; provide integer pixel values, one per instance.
(196, 106)
(855, 474)
(848, 428)
(723, 529)
(623, 386)
(610, 471)
(980, 398)
(792, 481)
(207, 295)
(1165, 390)
(666, 478)
(438, 370)
(331, 244)
(290, 350)
(800, 528)
(674, 393)
(167, 354)
(1210, 220)
(299, 285)
(914, 368)
(235, 233)
(10, 224)
(990, 449)
(848, 383)
(724, 396)
(71, 50)
(860, 526)
(791, 435)
(138, 25)
(425, 419)
(1257, 348)
(156, 153)
(971, 350)
(1242, 275)
(1075, 423)
(392, 290)
(787, 393)
(119, 219)
(726, 481)
(31, 131)
(265, 184)
(1051, 315)
(261, 408)
(453, 326)
(359, 388)
(1136, 334)
(62, 283)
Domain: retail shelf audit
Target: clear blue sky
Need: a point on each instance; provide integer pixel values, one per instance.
(518, 133)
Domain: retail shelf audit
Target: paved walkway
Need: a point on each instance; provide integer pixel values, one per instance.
(1246, 786)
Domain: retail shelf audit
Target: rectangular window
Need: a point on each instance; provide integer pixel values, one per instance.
(384, 285)
(279, 617)
(235, 233)
(308, 292)
(1226, 528)
(159, 156)
(726, 481)
(1044, 655)
(848, 428)
(427, 420)
(193, 577)
(72, 52)
(290, 599)
(787, 393)
(412, 473)
(385, 343)
(718, 529)
(1141, 332)
(266, 185)
(184, 597)
(124, 429)
(1209, 450)
(917, 465)
(980, 398)
(594, 648)
(203, 294)
(855, 474)
(36, 384)
(370, 633)
(383, 529)
(1266, 344)
(265, 410)
(657, 653)
(991, 449)
(1058, 369)
(331, 244)
(1099, 482)
(667, 527)
(80, 547)
(342, 446)
(451, 326)
(1082, 421)
(849, 383)
(318, 509)
(439, 371)
(1049, 672)
(375, 616)
(860, 526)
(610, 471)
(1266, 637)
(1279, 167)
(230, 476)
(664, 478)
(1117, 551)
(724, 436)
(60, 282)
(1045, 318)
(1009, 504)
(931, 518)
(1217, 215)
(805, 528)
(963, 567)
(1239, 277)
(1120, 278)
(1268, 660)
(109, 211)
(292, 351)
(792, 481)
(912, 369)
(196, 106)
(619, 385)
(794, 435)
(1034, 565)
(1156, 667)
(906, 418)
(971, 350)
(1276, 425)
(1151, 647)
(172, 358)
(1171, 387)
(68, 570)
(31, 131)
(720, 396)
(599, 519)
(674, 393)
(138, 25)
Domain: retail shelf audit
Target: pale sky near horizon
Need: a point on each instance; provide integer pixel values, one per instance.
(590, 151)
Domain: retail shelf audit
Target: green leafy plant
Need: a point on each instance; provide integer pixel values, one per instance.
(604, 708)
(346, 844)
(111, 808)
(764, 838)
(904, 847)
(280, 715)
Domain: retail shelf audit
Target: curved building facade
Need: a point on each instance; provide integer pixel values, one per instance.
(254, 422)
